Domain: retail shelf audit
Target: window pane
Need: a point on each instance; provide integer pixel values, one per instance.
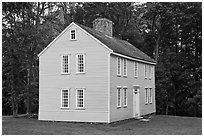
(80, 98)
(65, 98)
(80, 63)
(65, 63)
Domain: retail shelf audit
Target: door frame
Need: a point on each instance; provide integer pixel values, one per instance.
(136, 101)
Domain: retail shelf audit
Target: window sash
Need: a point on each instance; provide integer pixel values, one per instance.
(79, 98)
(150, 71)
(72, 34)
(64, 98)
(145, 70)
(65, 61)
(118, 66)
(136, 69)
(150, 95)
(146, 95)
(125, 67)
(80, 61)
(125, 96)
(118, 97)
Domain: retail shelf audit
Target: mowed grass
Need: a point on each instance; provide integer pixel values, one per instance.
(158, 125)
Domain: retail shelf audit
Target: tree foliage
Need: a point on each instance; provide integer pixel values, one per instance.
(171, 33)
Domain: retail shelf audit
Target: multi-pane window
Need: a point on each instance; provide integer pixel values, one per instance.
(145, 70)
(136, 69)
(80, 63)
(146, 95)
(118, 66)
(73, 35)
(65, 64)
(64, 98)
(125, 67)
(150, 71)
(80, 98)
(124, 96)
(118, 97)
(150, 95)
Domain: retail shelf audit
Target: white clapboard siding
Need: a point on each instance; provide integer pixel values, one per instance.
(125, 113)
(95, 80)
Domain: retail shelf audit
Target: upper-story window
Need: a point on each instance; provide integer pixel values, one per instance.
(119, 66)
(65, 69)
(145, 70)
(135, 69)
(72, 34)
(150, 71)
(80, 60)
(124, 67)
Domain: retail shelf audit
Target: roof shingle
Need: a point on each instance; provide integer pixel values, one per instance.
(118, 45)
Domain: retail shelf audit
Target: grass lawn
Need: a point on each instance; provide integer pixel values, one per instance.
(159, 124)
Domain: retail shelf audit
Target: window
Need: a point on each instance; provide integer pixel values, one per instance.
(119, 66)
(80, 98)
(145, 71)
(80, 63)
(125, 97)
(118, 97)
(64, 98)
(150, 95)
(125, 67)
(136, 69)
(146, 95)
(73, 35)
(150, 71)
(65, 64)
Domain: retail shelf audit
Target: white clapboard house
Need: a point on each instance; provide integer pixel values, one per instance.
(87, 75)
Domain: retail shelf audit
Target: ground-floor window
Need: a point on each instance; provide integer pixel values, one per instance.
(150, 95)
(125, 97)
(65, 98)
(118, 97)
(79, 98)
(146, 95)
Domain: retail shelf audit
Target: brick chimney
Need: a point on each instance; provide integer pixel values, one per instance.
(103, 25)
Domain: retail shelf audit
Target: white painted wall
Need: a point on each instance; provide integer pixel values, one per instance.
(95, 80)
(127, 112)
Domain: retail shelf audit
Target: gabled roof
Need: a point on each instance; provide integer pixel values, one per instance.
(112, 43)
(118, 45)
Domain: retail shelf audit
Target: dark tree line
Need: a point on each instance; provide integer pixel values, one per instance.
(171, 33)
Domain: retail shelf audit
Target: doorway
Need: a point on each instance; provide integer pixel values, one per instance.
(136, 102)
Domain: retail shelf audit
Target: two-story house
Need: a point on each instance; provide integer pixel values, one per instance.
(87, 75)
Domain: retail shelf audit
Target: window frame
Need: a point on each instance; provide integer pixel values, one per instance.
(84, 63)
(146, 96)
(136, 70)
(83, 89)
(62, 61)
(61, 102)
(124, 97)
(145, 71)
(119, 59)
(71, 34)
(150, 95)
(150, 72)
(119, 90)
(125, 67)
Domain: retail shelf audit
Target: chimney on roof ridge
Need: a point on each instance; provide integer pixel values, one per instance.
(103, 25)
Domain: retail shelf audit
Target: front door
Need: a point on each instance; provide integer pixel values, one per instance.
(136, 101)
